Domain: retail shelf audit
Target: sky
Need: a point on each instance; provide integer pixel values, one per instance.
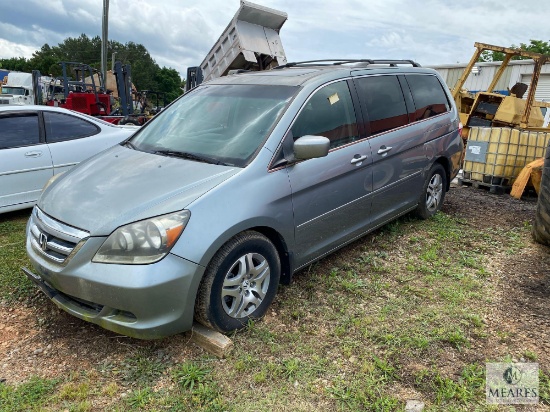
(179, 33)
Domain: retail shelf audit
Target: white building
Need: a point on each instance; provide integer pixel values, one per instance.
(480, 79)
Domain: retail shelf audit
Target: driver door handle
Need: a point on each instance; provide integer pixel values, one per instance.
(384, 149)
(33, 154)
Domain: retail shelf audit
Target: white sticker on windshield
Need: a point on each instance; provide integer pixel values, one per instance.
(334, 98)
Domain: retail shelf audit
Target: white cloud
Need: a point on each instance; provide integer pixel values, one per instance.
(9, 49)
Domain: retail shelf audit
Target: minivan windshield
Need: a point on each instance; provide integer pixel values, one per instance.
(222, 124)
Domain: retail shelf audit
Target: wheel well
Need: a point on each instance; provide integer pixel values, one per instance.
(447, 166)
(282, 249)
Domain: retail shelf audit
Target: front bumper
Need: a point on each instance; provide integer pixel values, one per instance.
(141, 301)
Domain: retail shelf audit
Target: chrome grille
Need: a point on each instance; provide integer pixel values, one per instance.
(53, 239)
(4, 101)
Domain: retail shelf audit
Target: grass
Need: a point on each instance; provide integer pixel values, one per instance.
(397, 315)
(13, 284)
(30, 395)
(190, 375)
(142, 369)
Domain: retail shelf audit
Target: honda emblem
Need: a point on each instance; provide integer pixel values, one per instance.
(43, 240)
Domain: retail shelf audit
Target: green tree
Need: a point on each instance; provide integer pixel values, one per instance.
(46, 61)
(169, 82)
(536, 46)
(146, 73)
(19, 64)
(144, 67)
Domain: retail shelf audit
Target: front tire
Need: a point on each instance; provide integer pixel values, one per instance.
(433, 192)
(239, 284)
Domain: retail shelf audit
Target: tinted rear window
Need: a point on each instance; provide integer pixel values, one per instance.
(61, 127)
(384, 101)
(429, 97)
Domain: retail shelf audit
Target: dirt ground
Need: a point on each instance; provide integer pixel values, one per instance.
(38, 339)
(521, 308)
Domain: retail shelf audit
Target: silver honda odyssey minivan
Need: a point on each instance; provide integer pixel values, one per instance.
(237, 185)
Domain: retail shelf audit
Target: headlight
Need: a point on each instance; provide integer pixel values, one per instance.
(143, 242)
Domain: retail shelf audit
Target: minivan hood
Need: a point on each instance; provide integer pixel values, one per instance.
(122, 185)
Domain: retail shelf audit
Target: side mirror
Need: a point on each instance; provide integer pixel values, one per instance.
(309, 147)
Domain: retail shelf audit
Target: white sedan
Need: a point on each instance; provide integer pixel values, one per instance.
(37, 142)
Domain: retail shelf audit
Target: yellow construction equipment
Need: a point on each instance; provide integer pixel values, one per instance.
(516, 112)
(503, 133)
(532, 172)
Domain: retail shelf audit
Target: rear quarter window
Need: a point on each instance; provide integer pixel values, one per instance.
(429, 97)
(61, 127)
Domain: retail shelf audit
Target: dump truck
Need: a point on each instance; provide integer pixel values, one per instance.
(250, 42)
(503, 132)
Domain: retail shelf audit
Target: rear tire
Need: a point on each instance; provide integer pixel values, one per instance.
(541, 225)
(239, 284)
(433, 192)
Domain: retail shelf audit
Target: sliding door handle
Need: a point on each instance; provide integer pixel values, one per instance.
(384, 149)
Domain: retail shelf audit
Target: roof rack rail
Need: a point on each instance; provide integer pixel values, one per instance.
(336, 62)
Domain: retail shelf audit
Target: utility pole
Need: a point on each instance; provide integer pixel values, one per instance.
(104, 39)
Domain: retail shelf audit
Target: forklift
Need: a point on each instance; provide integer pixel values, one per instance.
(82, 93)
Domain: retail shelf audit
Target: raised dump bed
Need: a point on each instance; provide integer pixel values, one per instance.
(250, 42)
(496, 155)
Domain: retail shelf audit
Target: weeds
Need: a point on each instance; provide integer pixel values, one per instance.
(32, 394)
(189, 374)
(142, 368)
(13, 283)
(350, 333)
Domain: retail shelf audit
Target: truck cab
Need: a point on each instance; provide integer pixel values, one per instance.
(17, 89)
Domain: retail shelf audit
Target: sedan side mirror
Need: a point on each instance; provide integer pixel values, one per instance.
(309, 147)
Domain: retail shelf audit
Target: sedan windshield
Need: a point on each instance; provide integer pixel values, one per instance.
(223, 124)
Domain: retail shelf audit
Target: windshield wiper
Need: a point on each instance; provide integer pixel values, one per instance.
(190, 156)
(129, 144)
